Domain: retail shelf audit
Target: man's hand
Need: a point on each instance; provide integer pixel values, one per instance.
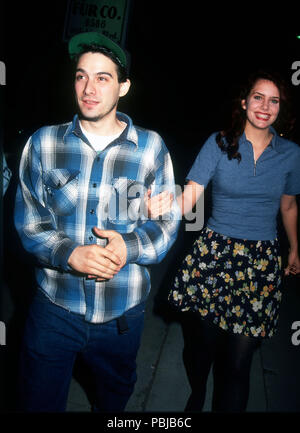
(95, 261)
(116, 244)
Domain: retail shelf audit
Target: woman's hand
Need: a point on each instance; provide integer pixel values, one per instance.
(293, 266)
(289, 213)
(159, 204)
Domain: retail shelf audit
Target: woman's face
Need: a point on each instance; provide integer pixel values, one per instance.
(262, 105)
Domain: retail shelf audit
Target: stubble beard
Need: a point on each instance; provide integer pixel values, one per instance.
(100, 116)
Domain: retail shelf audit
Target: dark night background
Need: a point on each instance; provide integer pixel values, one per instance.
(186, 62)
(187, 59)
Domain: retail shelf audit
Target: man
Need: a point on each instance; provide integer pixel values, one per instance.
(78, 210)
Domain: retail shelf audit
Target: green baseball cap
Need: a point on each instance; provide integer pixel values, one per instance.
(77, 42)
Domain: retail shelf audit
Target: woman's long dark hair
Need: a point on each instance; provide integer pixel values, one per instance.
(228, 139)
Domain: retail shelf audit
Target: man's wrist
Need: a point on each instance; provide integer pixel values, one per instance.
(132, 246)
(62, 254)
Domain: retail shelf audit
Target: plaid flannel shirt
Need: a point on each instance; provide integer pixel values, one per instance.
(66, 188)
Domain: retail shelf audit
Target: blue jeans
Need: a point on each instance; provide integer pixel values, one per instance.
(52, 340)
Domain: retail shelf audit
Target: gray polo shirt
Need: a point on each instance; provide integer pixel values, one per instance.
(246, 196)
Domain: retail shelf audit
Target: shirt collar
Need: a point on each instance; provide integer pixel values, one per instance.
(273, 143)
(129, 133)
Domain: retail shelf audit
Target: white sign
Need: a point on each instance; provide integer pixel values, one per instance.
(106, 16)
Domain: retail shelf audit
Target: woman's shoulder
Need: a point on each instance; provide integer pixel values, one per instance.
(210, 147)
(213, 138)
(285, 145)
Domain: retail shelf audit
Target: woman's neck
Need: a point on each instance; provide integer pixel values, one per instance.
(258, 137)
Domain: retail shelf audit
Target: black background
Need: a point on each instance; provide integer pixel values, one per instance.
(187, 59)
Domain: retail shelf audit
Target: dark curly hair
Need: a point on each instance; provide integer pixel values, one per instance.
(228, 139)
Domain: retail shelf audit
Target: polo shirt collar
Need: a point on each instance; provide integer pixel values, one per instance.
(273, 143)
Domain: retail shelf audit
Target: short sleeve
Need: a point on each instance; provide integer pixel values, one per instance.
(292, 185)
(206, 162)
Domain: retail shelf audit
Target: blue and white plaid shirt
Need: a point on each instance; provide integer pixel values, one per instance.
(67, 188)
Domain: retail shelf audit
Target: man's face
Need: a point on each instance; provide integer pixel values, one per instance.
(96, 86)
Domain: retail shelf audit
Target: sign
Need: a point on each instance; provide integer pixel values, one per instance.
(106, 16)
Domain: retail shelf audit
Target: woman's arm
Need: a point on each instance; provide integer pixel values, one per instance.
(289, 212)
(161, 203)
(189, 197)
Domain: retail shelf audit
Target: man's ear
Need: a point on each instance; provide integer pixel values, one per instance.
(124, 88)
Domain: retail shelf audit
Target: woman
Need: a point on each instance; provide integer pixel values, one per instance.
(229, 285)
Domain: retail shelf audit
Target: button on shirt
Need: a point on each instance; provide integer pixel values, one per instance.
(246, 195)
(67, 188)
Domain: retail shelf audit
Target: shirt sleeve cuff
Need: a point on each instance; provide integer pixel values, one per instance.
(132, 245)
(62, 253)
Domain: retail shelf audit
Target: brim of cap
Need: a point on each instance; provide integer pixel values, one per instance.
(95, 38)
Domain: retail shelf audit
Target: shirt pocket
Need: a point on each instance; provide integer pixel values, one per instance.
(61, 187)
(124, 205)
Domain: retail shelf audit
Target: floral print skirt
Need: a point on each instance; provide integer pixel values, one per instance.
(234, 283)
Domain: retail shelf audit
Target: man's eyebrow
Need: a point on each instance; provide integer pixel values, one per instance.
(105, 73)
(97, 73)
